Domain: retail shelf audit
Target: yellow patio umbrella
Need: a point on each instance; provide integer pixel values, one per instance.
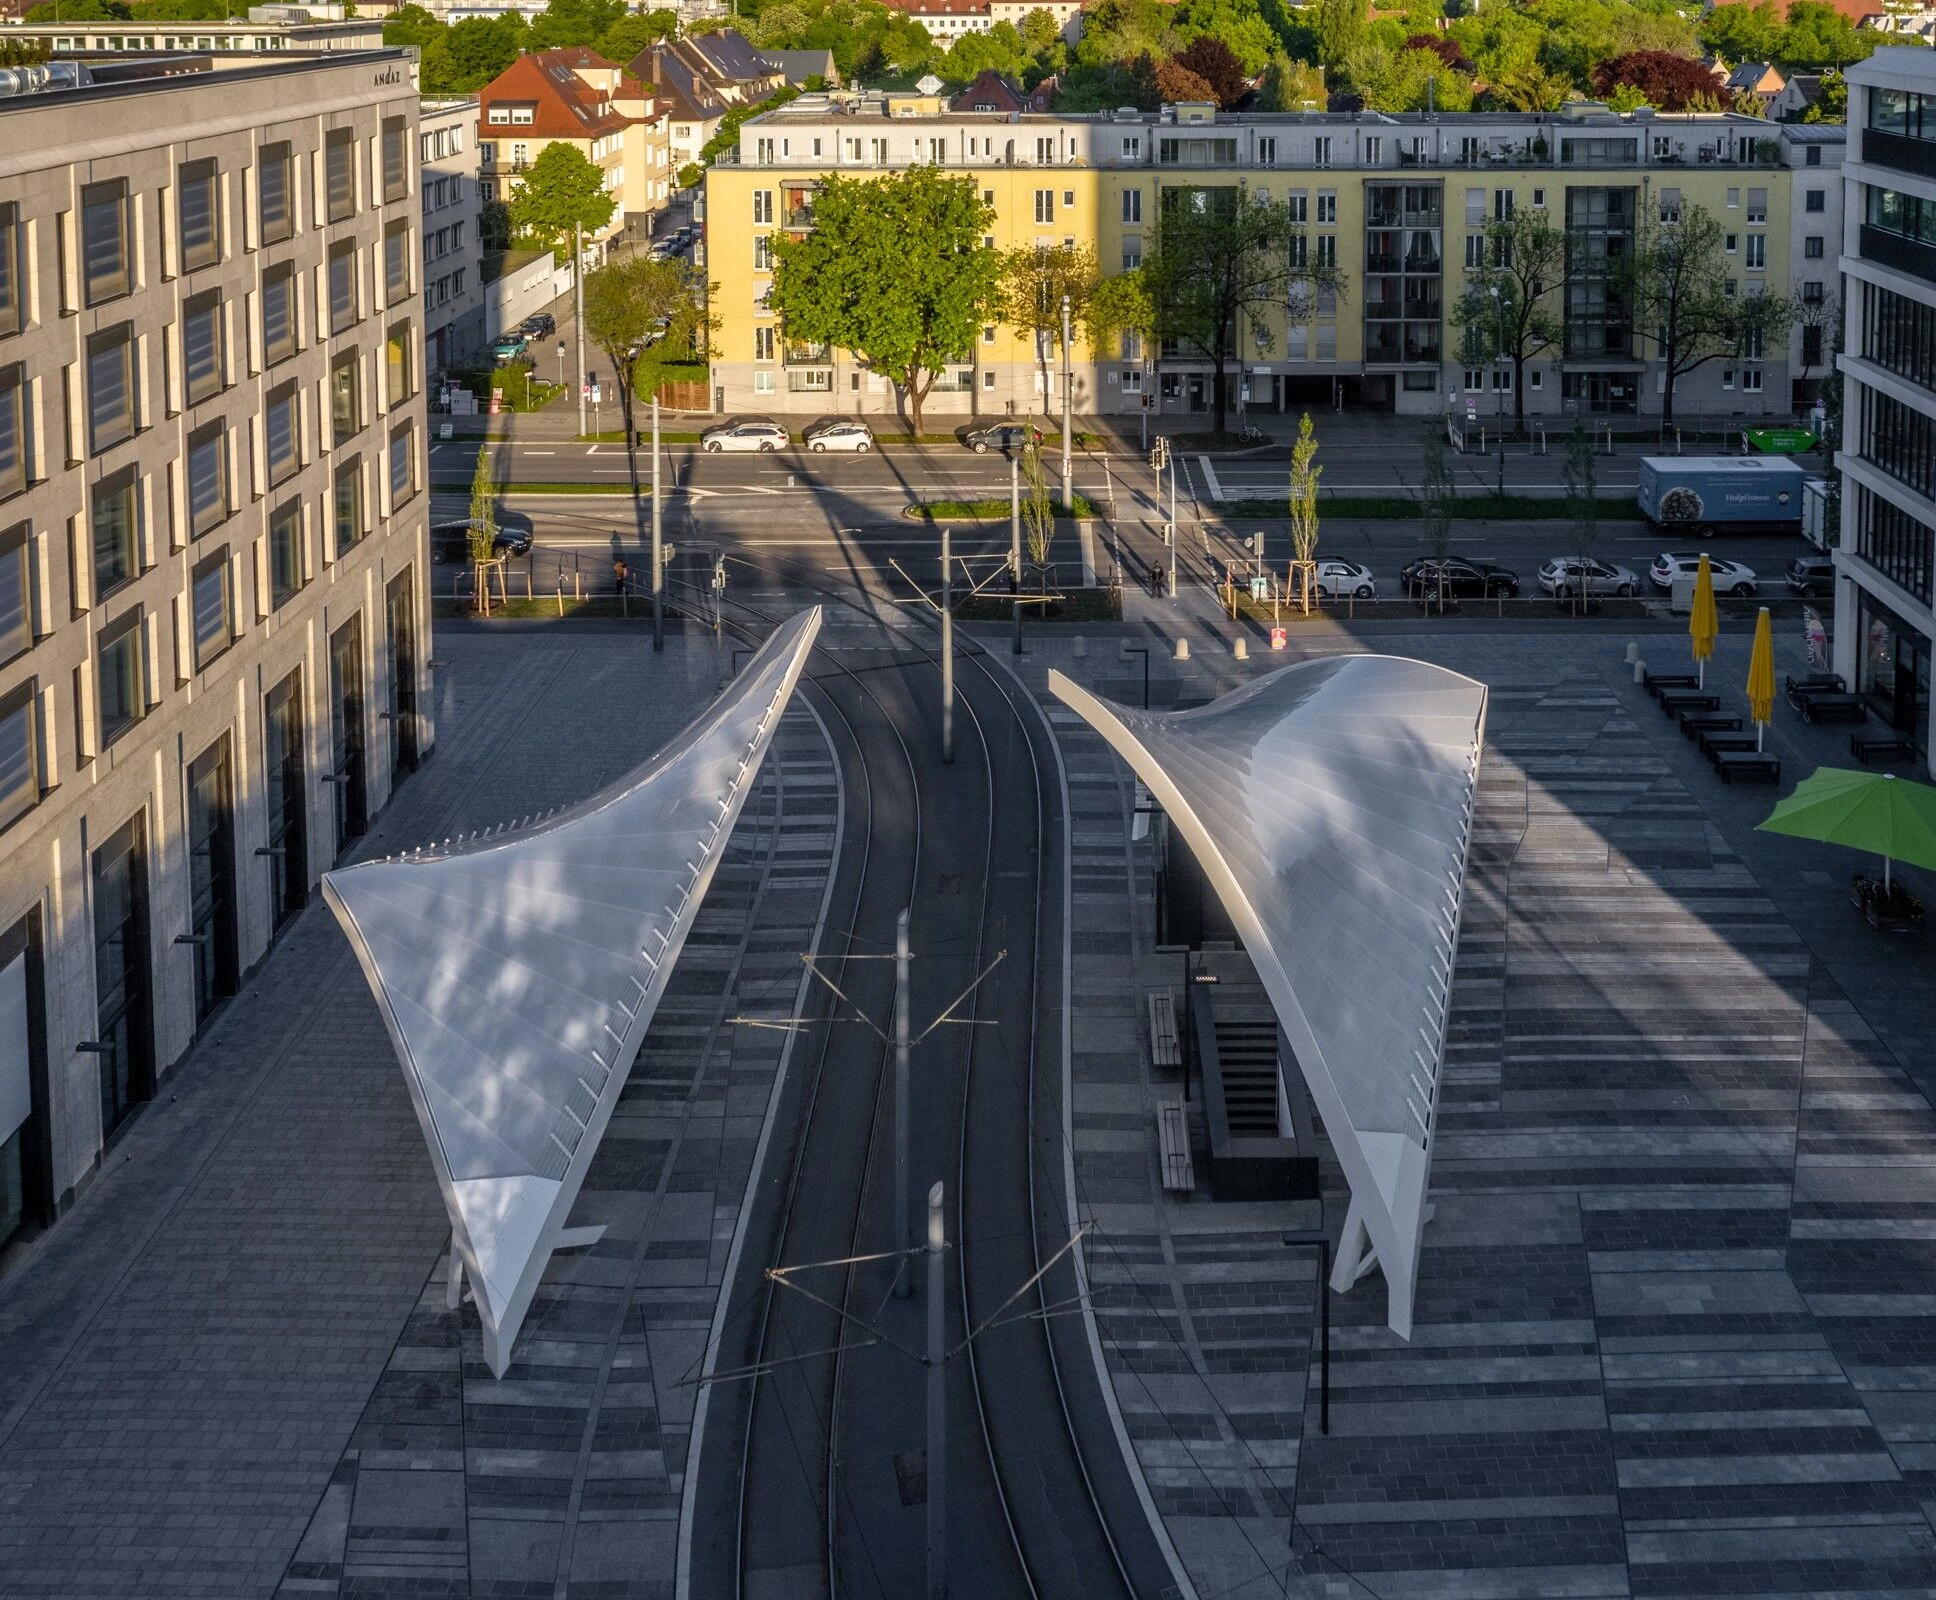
(1761, 676)
(1703, 626)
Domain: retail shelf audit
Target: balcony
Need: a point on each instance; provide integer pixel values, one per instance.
(1899, 152)
(1893, 250)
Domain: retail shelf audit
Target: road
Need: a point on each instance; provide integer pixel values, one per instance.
(812, 1472)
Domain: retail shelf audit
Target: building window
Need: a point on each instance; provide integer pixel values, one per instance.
(1732, 244)
(399, 369)
(110, 387)
(762, 207)
(285, 554)
(200, 215)
(13, 430)
(208, 478)
(1327, 206)
(1816, 200)
(1133, 206)
(1811, 347)
(282, 434)
(202, 364)
(1896, 544)
(275, 169)
(1321, 152)
(762, 383)
(1757, 208)
(339, 174)
(13, 294)
(1899, 334)
(403, 467)
(348, 504)
(762, 252)
(1266, 153)
(342, 286)
(123, 688)
(212, 610)
(396, 166)
(1327, 250)
(345, 397)
(115, 529)
(1751, 380)
(1757, 251)
(762, 344)
(396, 263)
(16, 595)
(107, 251)
(1045, 205)
(1812, 248)
(278, 315)
(1897, 111)
(1475, 252)
(1899, 440)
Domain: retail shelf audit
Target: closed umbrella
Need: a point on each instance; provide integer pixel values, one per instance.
(1761, 676)
(1703, 626)
(1877, 811)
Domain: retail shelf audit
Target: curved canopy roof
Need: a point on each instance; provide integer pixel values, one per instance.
(518, 970)
(1330, 804)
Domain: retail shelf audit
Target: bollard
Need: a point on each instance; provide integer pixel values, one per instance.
(1633, 651)
(1183, 649)
(1241, 649)
(1640, 671)
(1081, 648)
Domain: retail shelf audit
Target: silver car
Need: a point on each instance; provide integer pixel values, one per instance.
(749, 434)
(839, 434)
(1566, 576)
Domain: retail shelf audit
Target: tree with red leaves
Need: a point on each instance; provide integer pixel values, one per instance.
(1444, 48)
(1217, 65)
(1169, 82)
(1670, 82)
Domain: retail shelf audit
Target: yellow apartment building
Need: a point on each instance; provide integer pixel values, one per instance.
(1400, 203)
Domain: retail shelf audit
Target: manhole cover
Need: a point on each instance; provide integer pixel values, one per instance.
(911, 1477)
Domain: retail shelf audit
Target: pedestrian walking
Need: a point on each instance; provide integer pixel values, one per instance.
(618, 574)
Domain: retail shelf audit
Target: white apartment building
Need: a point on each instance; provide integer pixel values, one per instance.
(214, 622)
(1816, 151)
(453, 250)
(266, 35)
(1885, 629)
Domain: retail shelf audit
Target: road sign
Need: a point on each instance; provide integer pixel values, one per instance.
(1278, 639)
(1472, 411)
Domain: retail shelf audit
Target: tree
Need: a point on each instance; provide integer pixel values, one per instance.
(1213, 61)
(1444, 47)
(1743, 32)
(1304, 509)
(562, 191)
(1034, 280)
(482, 535)
(1819, 36)
(635, 33)
(1582, 502)
(1818, 320)
(1120, 304)
(1173, 83)
(1222, 256)
(1509, 308)
(1291, 86)
(1832, 104)
(1038, 513)
(1340, 27)
(1682, 300)
(632, 305)
(1669, 82)
(895, 271)
(1240, 25)
(1408, 80)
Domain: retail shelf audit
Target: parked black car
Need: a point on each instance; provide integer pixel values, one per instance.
(1462, 579)
(451, 541)
(540, 326)
(1006, 437)
(1812, 575)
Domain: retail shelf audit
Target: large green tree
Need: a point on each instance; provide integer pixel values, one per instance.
(894, 270)
(1684, 304)
(1510, 310)
(563, 190)
(1340, 30)
(1221, 257)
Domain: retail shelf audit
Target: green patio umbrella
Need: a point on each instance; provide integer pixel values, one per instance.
(1865, 811)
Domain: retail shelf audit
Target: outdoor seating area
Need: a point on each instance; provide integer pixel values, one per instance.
(1868, 747)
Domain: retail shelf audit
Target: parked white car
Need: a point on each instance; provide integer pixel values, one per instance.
(750, 433)
(841, 434)
(1340, 578)
(1565, 576)
(1730, 577)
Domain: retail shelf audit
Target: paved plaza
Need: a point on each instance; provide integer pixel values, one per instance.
(1674, 1310)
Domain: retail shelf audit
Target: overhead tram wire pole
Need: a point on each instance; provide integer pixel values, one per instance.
(578, 314)
(903, 1240)
(1068, 479)
(658, 547)
(947, 651)
(937, 1403)
(1015, 540)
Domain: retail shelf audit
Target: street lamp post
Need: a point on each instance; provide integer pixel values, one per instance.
(578, 314)
(1068, 486)
(1015, 540)
(658, 548)
(1499, 394)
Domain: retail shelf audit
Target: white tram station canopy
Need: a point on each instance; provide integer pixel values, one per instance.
(1330, 806)
(518, 970)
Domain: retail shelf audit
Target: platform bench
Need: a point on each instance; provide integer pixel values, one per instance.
(1173, 1139)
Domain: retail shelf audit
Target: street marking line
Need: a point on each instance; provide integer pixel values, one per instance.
(1210, 479)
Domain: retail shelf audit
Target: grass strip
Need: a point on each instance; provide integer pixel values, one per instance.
(449, 484)
(990, 510)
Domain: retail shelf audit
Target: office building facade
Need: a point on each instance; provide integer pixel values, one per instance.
(1400, 205)
(214, 618)
(1885, 629)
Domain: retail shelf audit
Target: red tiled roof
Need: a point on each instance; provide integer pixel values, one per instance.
(563, 105)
